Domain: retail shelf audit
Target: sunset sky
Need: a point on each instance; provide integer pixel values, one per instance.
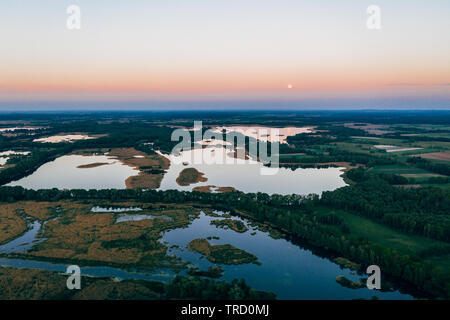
(170, 54)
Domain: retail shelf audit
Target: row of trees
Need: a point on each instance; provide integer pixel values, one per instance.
(440, 168)
(421, 211)
(200, 288)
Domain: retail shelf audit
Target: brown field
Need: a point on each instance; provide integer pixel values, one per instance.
(206, 189)
(30, 284)
(6, 166)
(226, 189)
(11, 224)
(12, 217)
(145, 164)
(376, 129)
(145, 179)
(80, 235)
(444, 155)
(126, 155)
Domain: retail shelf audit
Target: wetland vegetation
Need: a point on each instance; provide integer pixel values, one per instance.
(393, 209)
(222, 254)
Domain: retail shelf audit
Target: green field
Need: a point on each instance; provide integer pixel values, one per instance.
(387, 237)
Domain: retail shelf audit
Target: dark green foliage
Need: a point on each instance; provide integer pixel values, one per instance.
(144, 242)
(330, 219)
(440, 168)
(374, 198)
(207, 289)
(422, 211)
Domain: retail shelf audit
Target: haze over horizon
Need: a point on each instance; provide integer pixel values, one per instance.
(172, 55)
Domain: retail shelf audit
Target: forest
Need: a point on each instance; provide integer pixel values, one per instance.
(403, 192)
(295, 215)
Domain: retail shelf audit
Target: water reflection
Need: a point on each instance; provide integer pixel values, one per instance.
(24, 242)
(98, 209)
(139, 217)
(63, 173)
(286, 269)
(245, 175)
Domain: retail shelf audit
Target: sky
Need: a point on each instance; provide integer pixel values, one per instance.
(233, 54)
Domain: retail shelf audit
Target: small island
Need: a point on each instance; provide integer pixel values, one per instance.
(345, 263)
(222, 254)
(93, 165)
(234, 225)
(190, 176)
(343, 281)
(211, 272)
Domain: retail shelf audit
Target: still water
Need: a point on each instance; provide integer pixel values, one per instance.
(286, 268)
(25, 241)
(247, 175)
(63, 173)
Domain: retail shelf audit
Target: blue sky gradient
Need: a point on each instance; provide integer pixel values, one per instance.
(231, 54)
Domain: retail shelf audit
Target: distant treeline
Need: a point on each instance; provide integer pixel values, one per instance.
(337, 155)
(421, 211)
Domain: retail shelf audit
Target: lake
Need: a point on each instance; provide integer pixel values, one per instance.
(63, 173)
(222, 170)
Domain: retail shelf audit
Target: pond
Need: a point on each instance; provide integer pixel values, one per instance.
(65, 173)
